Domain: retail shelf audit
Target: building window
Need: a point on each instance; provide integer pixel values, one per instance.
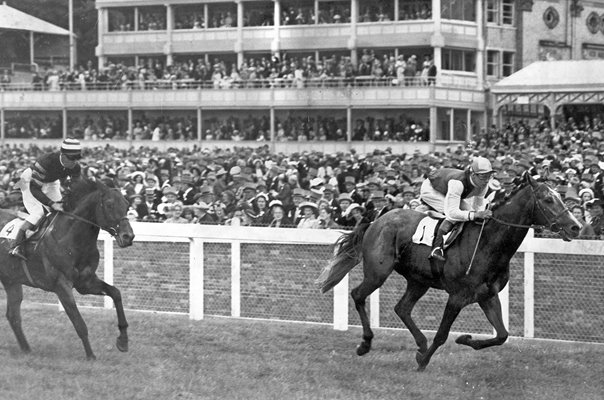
(507, 12)
(508, 64)
(459, 60)
(551, 17)
(593, 22)
(493, 63)
(493, 11)
(463, 10)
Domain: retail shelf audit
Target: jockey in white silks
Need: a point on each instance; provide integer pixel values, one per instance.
(41, 186)
(459, 195)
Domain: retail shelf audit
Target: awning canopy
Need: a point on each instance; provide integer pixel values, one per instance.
(554, 76)
(13, 19)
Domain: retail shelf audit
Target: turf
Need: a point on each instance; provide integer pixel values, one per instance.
(172, 357)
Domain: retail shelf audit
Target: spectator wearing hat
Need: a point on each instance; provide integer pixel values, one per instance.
(202, 213)
(595, 209)
(152, 200)
(170, 198)
(308, 219)
(587, 231)
(278, 217)
(187, 189)
(408, 193)
(586, 194)
(380, 205)
(138, 182)
(204, 194)
(329, 196)
(218, 209)
(294, 213)
(344, 201)
(356, 213)
(138, 205)
(247, 193)
(229, 200)
(220, 184)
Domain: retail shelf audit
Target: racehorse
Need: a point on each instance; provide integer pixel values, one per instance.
(65, 256)
(476, 269)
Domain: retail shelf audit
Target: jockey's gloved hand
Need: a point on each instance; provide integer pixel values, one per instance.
(485, 214)
(57, 206)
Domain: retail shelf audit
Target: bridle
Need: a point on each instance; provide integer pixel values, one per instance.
(553, 221)
(112, 230)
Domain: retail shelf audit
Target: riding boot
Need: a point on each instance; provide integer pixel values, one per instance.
(437, 245)
(16, 249)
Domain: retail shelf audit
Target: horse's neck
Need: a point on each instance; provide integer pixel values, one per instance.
(509, 238)
(81, 225)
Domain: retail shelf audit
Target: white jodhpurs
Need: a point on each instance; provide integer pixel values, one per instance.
(35, 209)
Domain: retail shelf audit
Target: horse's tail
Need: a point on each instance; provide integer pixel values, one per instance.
(347, 256)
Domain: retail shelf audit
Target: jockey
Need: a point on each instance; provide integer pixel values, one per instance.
(41, 187)
(459, 195)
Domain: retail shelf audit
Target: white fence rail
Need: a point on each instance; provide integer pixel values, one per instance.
(523, 287)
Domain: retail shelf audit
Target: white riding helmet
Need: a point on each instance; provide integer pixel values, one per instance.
(481, 165)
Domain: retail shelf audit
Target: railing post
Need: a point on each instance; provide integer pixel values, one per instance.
(196, 279)
(108, 267)
(529, 290)
(236, 279)
(340, 305)
(374, 309)
(504, 297)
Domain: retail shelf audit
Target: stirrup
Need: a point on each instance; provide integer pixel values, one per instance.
(17, 252)
(438, 254)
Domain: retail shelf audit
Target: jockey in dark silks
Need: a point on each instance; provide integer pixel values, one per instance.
(41, 186)
(459, 195)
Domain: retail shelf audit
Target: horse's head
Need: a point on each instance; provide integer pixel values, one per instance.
(110, 208)
(550, 211)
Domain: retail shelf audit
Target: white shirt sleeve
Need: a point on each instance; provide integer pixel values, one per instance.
(453, 209)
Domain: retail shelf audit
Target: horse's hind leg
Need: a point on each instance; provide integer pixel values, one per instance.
(65, 294)
(403, 309)
(371, 281)
(492, 309)
(99, 287)
(14, 296)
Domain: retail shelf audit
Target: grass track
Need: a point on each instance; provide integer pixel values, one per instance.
(173, 358)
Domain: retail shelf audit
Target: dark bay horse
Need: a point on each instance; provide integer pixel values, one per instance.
(385, 245)
(66, 257)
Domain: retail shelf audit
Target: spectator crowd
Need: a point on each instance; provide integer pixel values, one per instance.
(256, 187)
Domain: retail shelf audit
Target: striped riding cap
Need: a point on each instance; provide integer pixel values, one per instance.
(481, 165)
(71, 148)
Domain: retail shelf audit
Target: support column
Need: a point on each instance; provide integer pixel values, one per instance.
(276, 43)
(433, 124)
(65, 127)
(102, 28)
(72, 48)
(468, 125)
(239, 41)
(130, 124)
(352, 41)
(316, 12)
(2, 131)
(136, 18)
(206, 15)
(480, 45)
(199, 127)
(169, 29)
(437, 41)
(349, 124)
(451, 124)
(272, 124)
(31, 47)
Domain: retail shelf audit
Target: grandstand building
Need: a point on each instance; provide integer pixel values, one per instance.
(472, 45)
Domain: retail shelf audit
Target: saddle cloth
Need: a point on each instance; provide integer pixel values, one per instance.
(424, 234)
(9, 231)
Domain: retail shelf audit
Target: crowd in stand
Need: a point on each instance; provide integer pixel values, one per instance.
(148, 126)
(256, 187)
(254, 72)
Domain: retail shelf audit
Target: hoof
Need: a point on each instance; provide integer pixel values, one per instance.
(421, 362)
(363, 349)
(122, 344)
(91, 357)
(463, 339)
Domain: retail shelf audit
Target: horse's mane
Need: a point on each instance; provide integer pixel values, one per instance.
(78, 190)
(502, 199)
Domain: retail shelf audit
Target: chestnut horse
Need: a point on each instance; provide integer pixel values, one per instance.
(65, 256)
(385, 245)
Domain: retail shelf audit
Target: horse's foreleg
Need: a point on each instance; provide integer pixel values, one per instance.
(492, 309)
(454, 306)
(65, 294)
(403, 309)
(14, 297)
(100, 287)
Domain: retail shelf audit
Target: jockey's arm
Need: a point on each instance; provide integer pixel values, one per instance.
(453, 211)
(35, 187)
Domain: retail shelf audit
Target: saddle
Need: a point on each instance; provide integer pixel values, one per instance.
(9, 231)
(427, 227)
